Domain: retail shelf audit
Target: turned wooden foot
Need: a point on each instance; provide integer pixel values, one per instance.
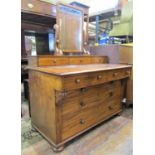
(119, 114)
(129, 103)
(33, 129)
(58, 149)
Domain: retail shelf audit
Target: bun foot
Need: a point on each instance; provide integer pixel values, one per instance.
(58, 149)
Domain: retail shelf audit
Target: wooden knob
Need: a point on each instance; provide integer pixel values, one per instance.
(54, 61)
(83, 90)
(82, 121)
(111, 94)
(81, 60)
(115, 74)
(58, 41)
(99, 77)
(77, 80)
(82, 104)
(110, 108)
(127, 72)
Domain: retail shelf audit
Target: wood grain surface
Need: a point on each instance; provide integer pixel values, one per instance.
(77, 69)
(68, 100)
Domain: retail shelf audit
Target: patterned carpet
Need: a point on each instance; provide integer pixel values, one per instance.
(114, 137)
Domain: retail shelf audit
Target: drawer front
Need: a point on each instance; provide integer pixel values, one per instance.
(49, 61)
(80, 81)
(89, 117)
(118, 74)
(45, 61)
(79, 60)
(75, 82)
(84, 80)
(85, 98)
(99, 60)
(60, 61)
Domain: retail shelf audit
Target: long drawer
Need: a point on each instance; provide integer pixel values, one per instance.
(84, 80)
(99, 60)
(80, 60)
(89, 117)
(85, 98)
(51, 61)
(82, 109)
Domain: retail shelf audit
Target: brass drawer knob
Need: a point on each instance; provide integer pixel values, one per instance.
(110, 108)
(127, 72)
(111, 94)
(82, 104)
(58, 41)
(115, 74)
(83, 90)
(77, 80)
(99, 77)
(82, 121)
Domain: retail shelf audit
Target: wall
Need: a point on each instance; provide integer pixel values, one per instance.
(112, 51)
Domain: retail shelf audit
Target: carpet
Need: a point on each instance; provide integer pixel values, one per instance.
(113, 137)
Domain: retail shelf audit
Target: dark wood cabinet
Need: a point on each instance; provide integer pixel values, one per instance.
(38, 7)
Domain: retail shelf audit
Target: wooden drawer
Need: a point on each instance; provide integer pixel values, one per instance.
(84, 80)
(45, 61)
(99, 60)
(118, 74)
(80, 60)
(60, 61)
(88, 91)
(78, 100)
(88, 117)
(98, 78)
(112, 106)
(75, 82)
(79, 122)
(49, 61)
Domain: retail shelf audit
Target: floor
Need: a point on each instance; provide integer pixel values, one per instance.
(113, 137)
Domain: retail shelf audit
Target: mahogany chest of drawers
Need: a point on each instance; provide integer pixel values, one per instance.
(68, 100)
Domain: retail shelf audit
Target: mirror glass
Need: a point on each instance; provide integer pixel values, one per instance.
(70, 29)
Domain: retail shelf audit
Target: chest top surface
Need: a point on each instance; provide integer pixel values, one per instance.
(77, 69)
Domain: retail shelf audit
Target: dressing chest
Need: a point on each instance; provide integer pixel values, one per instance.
(72, 91)
(68, 100)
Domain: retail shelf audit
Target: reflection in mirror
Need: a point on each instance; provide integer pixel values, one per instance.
(30, 45)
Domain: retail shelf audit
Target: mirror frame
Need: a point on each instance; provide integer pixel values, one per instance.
(57, 36)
